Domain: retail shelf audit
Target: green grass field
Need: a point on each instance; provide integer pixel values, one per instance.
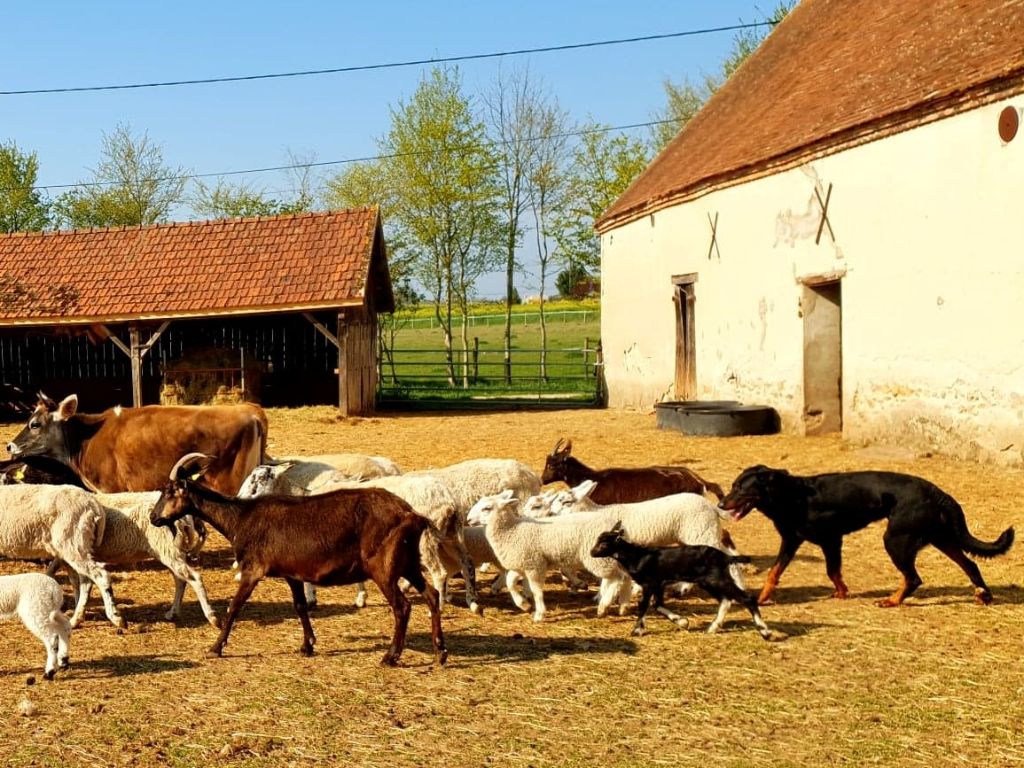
(420, 362)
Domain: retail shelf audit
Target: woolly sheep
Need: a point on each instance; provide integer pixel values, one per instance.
(480, 552)
(471, 480)
(351, 465)
(529, 547)
(129, 538)
(42, 522)
(683, 518)
(37, 600)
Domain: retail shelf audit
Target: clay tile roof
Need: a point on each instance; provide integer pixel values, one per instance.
(196, 269)
(833, 74)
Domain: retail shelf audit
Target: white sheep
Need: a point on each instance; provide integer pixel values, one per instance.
(471, 480)
(427, 495)
(43, 522)
(38, 601)
(351, 465)
(682, 518)
(129, 538)
(291, 477)
(480, 552)
(529, 547)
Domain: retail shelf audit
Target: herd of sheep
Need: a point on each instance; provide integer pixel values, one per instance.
(477, 512)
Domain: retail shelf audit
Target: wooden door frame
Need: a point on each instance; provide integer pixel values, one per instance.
(684, 299)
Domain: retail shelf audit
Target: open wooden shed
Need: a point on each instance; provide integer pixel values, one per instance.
(108, 312)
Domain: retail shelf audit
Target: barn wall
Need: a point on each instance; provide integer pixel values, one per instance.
(927, 243)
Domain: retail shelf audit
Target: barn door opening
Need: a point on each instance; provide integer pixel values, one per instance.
(684, 297)
(823, 358)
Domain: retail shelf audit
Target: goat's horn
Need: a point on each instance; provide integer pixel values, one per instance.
(558, 445)
(188, 458)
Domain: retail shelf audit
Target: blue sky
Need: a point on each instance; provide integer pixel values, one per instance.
(224, 127)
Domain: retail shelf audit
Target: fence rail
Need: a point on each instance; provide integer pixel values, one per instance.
(519, 318)
(562, 375)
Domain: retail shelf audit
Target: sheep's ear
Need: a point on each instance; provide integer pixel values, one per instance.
(508, 494)
(583, 490)
(67, 408)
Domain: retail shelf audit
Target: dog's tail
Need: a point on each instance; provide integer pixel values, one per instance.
(981, 548)
(975, 546)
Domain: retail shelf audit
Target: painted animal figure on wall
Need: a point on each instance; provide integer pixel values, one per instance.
(822, 509)
(624, 485)
(133, 449)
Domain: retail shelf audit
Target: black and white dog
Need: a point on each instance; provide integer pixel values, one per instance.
(655, 567)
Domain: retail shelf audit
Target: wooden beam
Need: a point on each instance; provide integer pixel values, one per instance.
(343, 365)
(105, 332)
(323, 329)
(136, 355)
(154, 338)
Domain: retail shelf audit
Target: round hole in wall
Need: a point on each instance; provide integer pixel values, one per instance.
(1009, 122)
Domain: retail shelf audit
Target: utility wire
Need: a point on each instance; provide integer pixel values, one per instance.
(391, 65)
(322, 163)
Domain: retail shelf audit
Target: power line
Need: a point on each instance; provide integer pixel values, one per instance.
(347, 161)
(392, 65)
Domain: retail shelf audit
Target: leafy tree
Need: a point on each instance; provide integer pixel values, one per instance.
(22, 207)
(442, 171)
(602, 166)
(131, 186)
(574, 282)
(226, 201)
(684, 100)
(367, 183)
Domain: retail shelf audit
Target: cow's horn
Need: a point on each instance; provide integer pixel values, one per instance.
(185, 460)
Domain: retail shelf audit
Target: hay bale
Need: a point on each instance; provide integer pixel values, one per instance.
(211, 376)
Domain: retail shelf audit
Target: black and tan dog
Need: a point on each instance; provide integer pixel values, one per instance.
(822, 509)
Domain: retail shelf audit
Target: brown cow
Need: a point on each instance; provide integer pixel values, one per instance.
(133, 449)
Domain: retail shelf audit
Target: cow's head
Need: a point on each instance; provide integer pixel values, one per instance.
(555, 465)
(44, 435)
(176, 497)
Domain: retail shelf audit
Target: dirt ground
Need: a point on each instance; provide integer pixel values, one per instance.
(938, 682)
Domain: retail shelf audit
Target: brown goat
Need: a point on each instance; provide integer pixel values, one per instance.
(624, 485)
(341, 537)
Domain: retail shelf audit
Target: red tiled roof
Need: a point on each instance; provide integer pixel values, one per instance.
(833, 74)
(195, 269)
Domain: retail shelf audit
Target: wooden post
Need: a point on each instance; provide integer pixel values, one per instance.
(343, 363)
(476, 359)
(599, 372)
(586, 357)
(136, 357)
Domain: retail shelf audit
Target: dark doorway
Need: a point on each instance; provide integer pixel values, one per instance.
(823, 358)
(684, 297)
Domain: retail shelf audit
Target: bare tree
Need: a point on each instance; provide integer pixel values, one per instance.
(547, 187)
(513, 107)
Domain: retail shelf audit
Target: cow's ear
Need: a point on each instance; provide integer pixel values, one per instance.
(67, 408)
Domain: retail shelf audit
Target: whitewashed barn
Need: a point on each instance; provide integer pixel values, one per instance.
(840, 234)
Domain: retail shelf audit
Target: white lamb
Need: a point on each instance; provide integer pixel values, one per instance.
(43, 522)
(130, 538)
(352, 465)
(480, 552)
(471, 480)
(37, 600)
(530, 547)
(682, 518)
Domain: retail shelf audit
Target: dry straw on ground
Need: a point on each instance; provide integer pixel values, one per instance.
(939, 682)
